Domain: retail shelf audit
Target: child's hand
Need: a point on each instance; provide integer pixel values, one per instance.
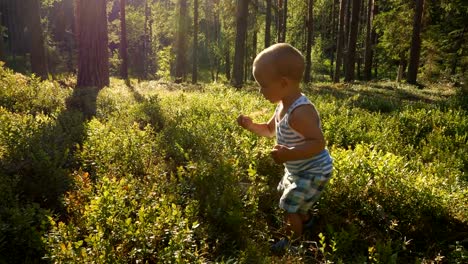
(279, 154)
(244, 121)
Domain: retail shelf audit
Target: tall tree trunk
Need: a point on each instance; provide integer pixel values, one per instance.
(375, 41)
(239, 52)
(310, 37)
(38, 54)
(227, 65)
(353, 32)
(2, 44)
(217, 40)
(415, 43)
(340, 42)
(195, 42)
(333, 34)
(285, 20)
(16, 22)
(268, 24)
(181, 45)
(279, 21)
(123, 42)
(346, 34)
(145, 43)
(401, 67)
(369, 36)
(93, 54)
(254, 38)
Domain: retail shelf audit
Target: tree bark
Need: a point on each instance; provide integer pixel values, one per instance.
(38, 54)
(340, 42)
(268, 24)
(93, 54)
(181, 45)
(369, 36)
(2, 44)
(401, 68)
(346, 34)
(227, 65)
(349, 74)
(239, 51)
(254, 39)
(285, 20)
(123, 42)
(145, 43)
(333, 35)
(415, 49)
(279, 21)
(310, 35)
(195, 42)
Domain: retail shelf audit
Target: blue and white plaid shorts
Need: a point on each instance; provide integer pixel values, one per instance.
(301, 190)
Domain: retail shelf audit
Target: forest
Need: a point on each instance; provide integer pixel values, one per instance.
(118, 139)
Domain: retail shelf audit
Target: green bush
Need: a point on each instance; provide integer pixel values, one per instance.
(20, 93)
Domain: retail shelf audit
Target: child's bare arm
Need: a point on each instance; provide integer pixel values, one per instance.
(304, 120)
(263, 129)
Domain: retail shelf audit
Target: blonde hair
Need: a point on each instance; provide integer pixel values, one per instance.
(285, 60)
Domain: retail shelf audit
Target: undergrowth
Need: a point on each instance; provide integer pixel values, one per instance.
(161, 173)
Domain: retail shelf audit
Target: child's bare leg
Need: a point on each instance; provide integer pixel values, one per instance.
(294, 224)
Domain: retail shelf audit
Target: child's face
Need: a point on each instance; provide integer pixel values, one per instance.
(271, 85)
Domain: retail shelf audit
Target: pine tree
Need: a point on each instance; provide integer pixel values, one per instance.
(93, 55)
(268, 24)
(195, 42)
(353, 34)
(123, 41)
(239, 51)
(38, 53)
(181, 61)
(310, 33)
(340, 42)
(415, 49)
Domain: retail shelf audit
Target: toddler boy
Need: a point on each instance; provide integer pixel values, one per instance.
(300, 144)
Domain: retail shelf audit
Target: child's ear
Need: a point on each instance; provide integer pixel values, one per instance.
(285, 82)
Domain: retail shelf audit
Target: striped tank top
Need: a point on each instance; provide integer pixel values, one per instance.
(287, 136)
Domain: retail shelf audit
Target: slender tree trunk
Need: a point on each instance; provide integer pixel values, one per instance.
(227, 66)
(310, 36)
(349, 74)
(285, 20)
(38, 54)
(346, 34)
(369, 36)
(123, 42)
(93, 54)
(181, 61)
(2, 44)
(217, 27)
(340, 42)
(254, 39)
(239, 52)
(401, 68)
(375, 41)
(70, 37)
(334, 37)
(195, 42)
(415, 43)
(279, 21)
(268, 24)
